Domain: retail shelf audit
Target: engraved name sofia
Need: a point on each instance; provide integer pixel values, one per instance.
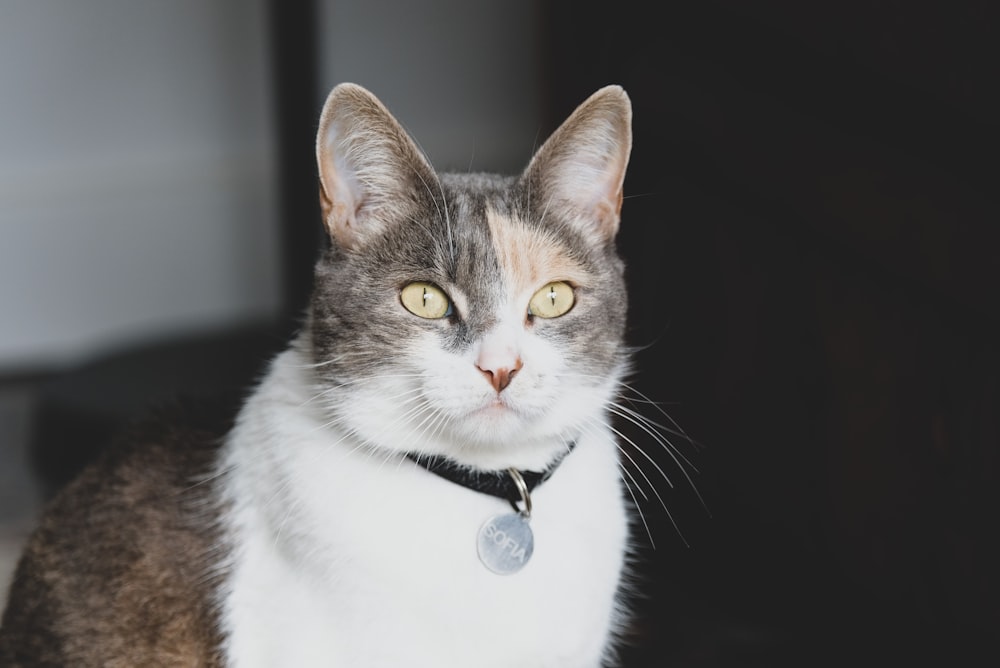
(504, 542)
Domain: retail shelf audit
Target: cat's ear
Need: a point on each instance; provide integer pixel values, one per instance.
(369, 167)
(581, 167)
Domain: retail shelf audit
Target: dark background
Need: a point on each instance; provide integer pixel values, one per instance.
(809, 227)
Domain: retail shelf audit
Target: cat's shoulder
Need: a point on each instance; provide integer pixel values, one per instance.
(136, 530)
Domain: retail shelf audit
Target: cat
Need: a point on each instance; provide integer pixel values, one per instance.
(426, 476)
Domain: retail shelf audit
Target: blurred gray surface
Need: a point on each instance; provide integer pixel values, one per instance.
(20, 494)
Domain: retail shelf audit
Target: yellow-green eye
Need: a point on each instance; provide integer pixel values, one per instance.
(552, 301)
(426, 300)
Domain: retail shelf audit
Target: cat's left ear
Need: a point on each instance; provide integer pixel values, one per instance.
(581, 167)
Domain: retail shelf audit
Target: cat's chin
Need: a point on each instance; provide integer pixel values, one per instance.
(499, 426)
(496, 420)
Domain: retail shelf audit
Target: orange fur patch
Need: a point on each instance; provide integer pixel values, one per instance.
(529, 257)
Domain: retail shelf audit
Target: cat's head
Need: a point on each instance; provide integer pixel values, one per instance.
(475, 316)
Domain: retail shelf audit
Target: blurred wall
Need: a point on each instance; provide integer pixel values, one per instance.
(136, 184)
(462, 77)
(138, 179)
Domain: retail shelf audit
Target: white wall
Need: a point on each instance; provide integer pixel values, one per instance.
(137, 197)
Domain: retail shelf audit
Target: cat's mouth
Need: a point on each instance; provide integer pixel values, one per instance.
(497, 409)
(497, 406)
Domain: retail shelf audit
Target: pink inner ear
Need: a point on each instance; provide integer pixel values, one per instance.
(597, 193)
(608, 197)
(341, 219)
(342, 199)
(608, 211)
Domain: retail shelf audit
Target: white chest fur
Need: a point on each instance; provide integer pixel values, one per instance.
(345, 558)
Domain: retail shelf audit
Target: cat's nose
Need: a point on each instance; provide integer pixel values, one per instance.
(500, 376)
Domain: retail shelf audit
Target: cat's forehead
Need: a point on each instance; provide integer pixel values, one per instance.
(528, 254)
(495, 231)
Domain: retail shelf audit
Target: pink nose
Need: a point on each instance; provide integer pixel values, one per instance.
(500, 376)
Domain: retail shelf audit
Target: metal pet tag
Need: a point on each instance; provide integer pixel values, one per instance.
(506, 543)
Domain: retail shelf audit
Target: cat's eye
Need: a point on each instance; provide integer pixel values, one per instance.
(425, 300)
(552, 301)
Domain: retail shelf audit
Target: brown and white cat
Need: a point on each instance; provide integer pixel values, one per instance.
(427, 477)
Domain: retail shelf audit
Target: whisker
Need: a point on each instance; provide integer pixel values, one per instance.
(635, 503)
(671, 451)
(677, 429)
(663, 504)
(654, 429)
(444, 203)
(644, 454)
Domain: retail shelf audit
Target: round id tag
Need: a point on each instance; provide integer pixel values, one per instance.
(506, 543)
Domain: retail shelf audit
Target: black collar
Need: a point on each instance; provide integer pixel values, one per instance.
(495, 483)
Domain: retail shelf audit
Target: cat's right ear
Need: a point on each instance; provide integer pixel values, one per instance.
(369, 167)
